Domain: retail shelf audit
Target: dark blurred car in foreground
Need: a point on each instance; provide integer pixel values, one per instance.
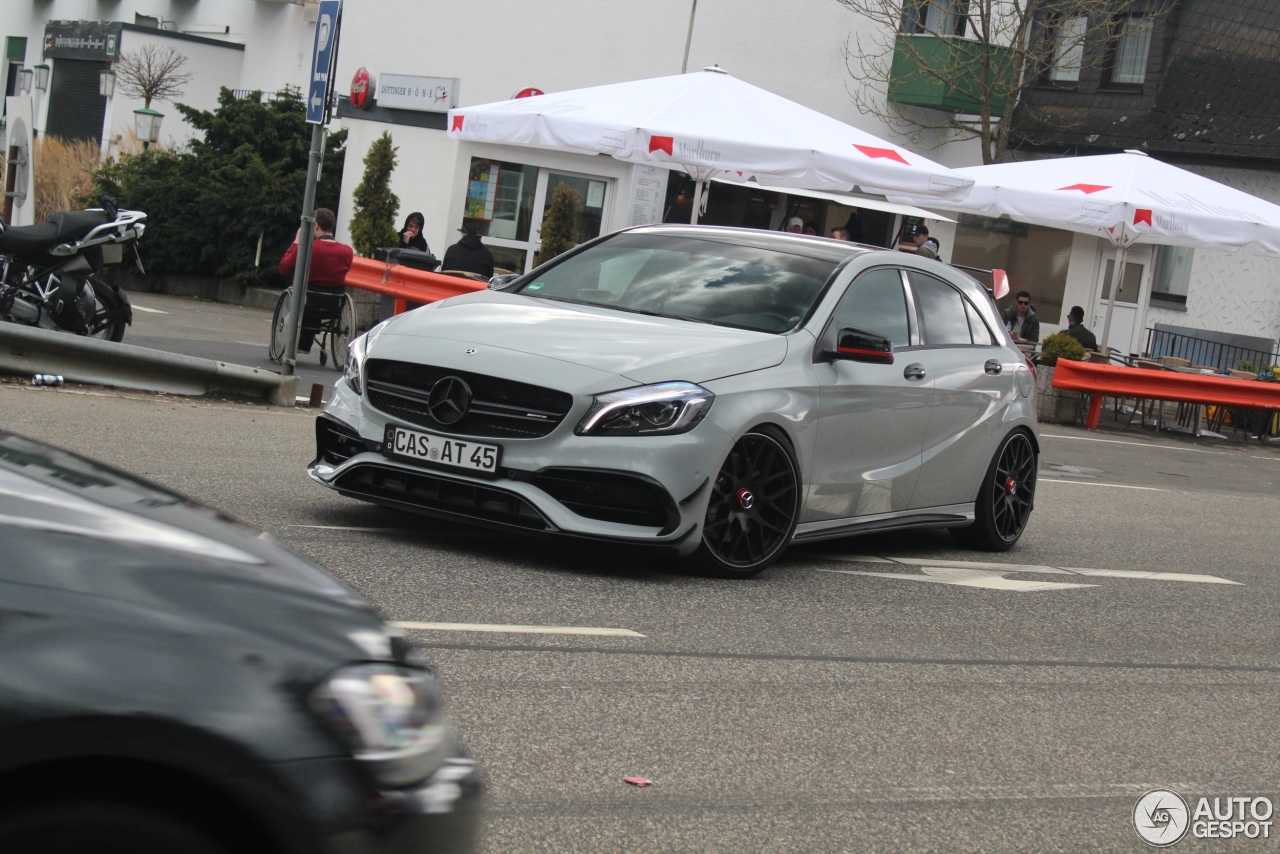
(172, 681)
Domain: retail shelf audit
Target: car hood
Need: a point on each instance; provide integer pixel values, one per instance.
(635, 346)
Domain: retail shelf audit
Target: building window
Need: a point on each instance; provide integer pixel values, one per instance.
(1171, 279)
(1128, 66)
(1035, 257)
(1068, 50)
(935, 17)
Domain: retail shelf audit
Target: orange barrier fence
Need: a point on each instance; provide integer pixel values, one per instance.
(1112, 381)
(406, 284)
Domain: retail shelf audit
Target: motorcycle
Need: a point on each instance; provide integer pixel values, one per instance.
(48, 271)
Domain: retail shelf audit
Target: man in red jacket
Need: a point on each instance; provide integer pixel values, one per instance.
(330, 262)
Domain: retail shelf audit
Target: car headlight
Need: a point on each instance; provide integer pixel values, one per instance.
(356, 351)
(391, 718)
(662, 408)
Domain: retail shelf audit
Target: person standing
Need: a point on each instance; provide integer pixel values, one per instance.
(330, 263)
(1077, 330)
(468, 255)
(840, 234)
(795, 225)
(411, 235)
(1021, 320)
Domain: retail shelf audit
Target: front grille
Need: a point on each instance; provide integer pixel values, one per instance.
(500, 408)
(610, 497)
(421, 489)
(336, 443)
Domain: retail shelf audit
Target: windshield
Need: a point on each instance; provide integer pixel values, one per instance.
(709, 281)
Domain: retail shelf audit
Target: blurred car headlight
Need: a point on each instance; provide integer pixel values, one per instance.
(391, 718)
(662, 408)
(356, 351)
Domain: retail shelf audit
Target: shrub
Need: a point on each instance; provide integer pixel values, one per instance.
(1246, 365)
(559, 229)
(207, 206)
(373, 220)
(1061, 346)
(64, 174)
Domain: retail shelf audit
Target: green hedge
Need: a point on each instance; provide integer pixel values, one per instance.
(207, 205)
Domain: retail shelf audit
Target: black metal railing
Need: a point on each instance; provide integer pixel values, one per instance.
(1202, 351)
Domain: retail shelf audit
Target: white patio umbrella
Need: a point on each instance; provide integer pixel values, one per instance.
(709, 123)
(1126, 198)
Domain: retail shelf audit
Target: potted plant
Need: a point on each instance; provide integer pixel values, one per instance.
(1055, 405)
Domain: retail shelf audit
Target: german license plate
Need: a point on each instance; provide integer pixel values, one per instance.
(441, 450)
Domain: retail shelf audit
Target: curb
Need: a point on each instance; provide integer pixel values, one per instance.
(25, 350)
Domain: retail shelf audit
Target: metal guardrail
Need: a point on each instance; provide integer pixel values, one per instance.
(405, 284)
(1202, 351)
(25, 350)
(1109, 381)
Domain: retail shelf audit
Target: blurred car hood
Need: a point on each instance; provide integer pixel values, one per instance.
(638, 347)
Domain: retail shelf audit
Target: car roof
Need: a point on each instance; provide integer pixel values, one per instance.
(821, 248)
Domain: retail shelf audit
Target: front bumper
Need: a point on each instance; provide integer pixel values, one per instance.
(643, 490)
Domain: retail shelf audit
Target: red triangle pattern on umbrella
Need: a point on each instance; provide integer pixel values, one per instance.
(457, 122)
(886, 153)
(1087, 188)
(661, 143)
(1142, 215)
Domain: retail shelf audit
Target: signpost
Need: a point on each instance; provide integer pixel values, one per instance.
(323, 59)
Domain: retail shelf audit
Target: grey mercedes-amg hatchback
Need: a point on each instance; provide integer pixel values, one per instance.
(720, 391)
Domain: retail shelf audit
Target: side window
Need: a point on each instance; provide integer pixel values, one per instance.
(942, 311)
(981, 334)
(875, 302)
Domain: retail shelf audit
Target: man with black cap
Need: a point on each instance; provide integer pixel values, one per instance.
(468, 255)
(926, 246)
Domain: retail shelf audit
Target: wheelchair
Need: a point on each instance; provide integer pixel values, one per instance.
(331, 317)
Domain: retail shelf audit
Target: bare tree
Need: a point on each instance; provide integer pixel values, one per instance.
(982, 55)
(152, 73)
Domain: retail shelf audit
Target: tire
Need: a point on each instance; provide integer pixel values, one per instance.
(100, 828)
(344, 330)
(108, 304)
(1006, 497)
(275, 350)
(753, 509)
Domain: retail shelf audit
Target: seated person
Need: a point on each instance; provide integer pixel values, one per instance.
(330, 263)
(926, 246)
(1021, 320)
(469, 255)
(411, 235)
(1077, 330)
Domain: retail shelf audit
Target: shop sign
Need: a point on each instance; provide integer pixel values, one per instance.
(360, 89)
(410, 92)
(527, 93)
(92, 40)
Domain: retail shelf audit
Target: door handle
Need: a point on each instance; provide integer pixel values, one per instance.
(914, 371)
(993, 367)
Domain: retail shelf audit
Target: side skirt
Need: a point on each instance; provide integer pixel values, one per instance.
(950, 516)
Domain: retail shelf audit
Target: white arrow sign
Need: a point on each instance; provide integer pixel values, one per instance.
(963, 573)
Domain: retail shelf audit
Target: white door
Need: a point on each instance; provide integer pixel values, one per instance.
(1127, 318)
(589, 212)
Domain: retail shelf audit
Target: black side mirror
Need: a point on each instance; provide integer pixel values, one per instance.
(861, 345)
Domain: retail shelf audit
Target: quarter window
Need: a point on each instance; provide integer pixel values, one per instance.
(977, 329)
(942, 311)
(875, 303)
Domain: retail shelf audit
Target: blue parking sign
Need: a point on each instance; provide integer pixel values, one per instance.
(326, 45)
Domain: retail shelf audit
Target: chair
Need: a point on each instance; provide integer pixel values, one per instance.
(331, 317)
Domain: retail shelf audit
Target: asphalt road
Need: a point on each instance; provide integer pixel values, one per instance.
(212, 330)
(809, 709)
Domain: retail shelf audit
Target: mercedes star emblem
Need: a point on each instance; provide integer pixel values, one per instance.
(470, 351)
(449, 400)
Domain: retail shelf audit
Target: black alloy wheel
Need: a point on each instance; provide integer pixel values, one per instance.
(754, 504)
(1006, 498)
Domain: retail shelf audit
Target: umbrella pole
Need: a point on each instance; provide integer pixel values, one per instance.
(1117, 278)
(697, 199)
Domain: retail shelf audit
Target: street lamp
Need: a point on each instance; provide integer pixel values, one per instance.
(42, 77)
(146, 123)
(107, 83)
(24, 81)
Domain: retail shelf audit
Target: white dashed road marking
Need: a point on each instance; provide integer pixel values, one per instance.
(992, 576)
(520, 630)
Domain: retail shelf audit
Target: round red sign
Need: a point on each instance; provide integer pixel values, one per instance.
(360, 89)
(528, 93)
